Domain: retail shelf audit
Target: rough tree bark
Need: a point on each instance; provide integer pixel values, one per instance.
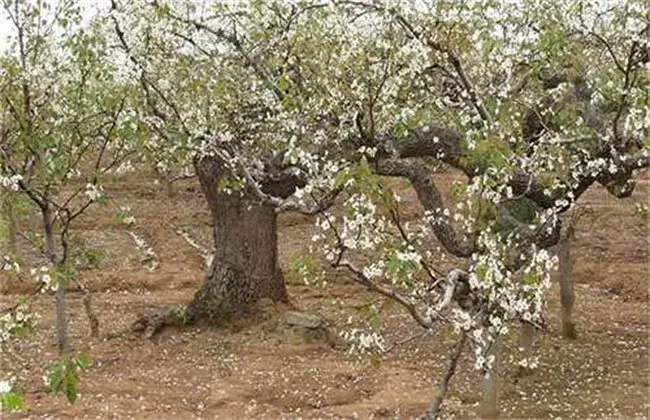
(567, 296)
(245, 267)
(61, 318)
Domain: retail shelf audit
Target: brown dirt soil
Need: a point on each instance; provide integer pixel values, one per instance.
(266, 371)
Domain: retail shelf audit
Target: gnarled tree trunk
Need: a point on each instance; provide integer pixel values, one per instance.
(245, 266)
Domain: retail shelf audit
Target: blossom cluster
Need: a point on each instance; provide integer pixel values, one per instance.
(403, 252)
(149, 256)
(43, 277)
(364, 342)
(356, 83)
(15, 322)
(93, 192)
(10, 182)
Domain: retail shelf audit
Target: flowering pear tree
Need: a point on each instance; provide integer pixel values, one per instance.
(533, 114)
(259, 141)
(66, 120)
(285, 106)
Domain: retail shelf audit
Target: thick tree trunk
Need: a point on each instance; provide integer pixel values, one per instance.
(245, 266)
(567, 296)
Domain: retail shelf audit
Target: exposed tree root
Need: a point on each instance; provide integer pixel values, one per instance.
(153, 323)
(310, 325)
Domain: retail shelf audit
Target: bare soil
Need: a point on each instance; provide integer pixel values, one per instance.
(266, 370)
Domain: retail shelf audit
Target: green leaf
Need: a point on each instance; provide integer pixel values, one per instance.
(530, 279)
(342, 177)
(375, 361)
(64, 376)
(481, 271)
(82, 361)
(447, 332)
(12, 401)
(284, 83)
(374, 318)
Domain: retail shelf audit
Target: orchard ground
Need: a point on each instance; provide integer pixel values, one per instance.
(267, 370)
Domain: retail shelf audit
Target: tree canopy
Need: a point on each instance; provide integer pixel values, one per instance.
(533, 101)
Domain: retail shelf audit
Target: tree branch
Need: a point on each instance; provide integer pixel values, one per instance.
(434, 410)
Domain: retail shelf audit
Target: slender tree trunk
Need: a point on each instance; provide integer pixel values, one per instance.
(434, 410)
(48, 226)
(491, 385)
(61, 318)
(169, 187)
(245, 266)
(526, 337)
(62, 286)
(10, 214)
(567, 296)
